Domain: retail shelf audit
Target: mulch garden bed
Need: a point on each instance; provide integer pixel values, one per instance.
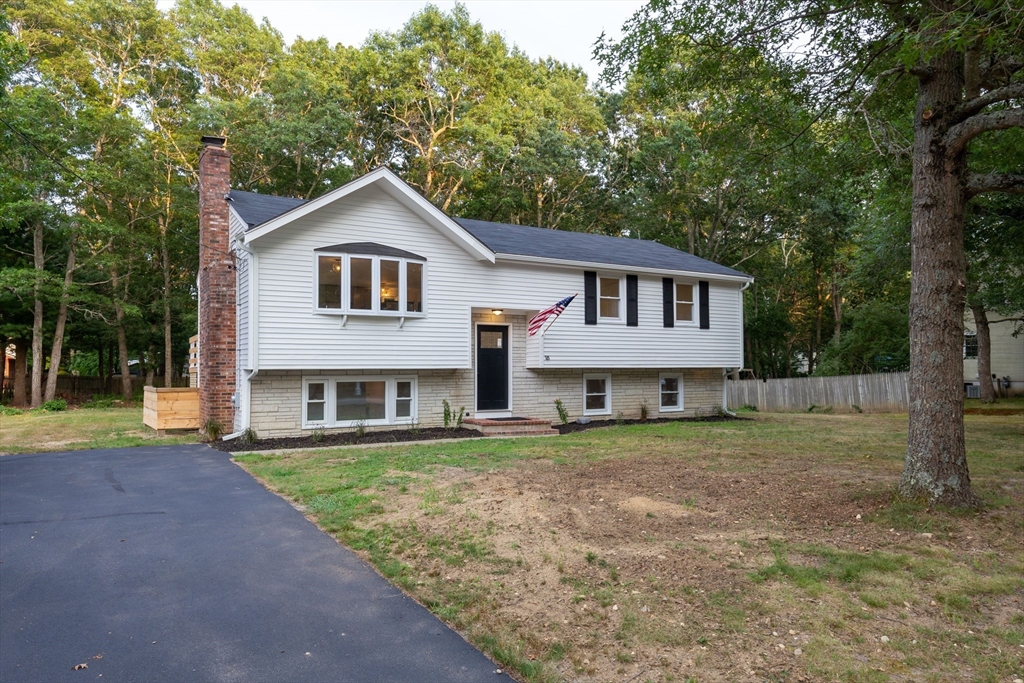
(431, 434)
(594, 424)
(347, 439)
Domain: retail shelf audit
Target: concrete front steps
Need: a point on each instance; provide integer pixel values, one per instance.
(510, 426)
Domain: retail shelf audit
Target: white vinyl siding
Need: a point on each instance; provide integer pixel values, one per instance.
(293, 336)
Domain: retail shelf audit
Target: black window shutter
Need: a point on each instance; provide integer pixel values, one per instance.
(589, 297)
(632, 309)
(702, 304)
(668, 296)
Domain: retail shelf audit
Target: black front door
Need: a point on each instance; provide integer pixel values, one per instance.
(492, 367)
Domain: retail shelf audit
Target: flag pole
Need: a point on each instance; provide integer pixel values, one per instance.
(545, 330)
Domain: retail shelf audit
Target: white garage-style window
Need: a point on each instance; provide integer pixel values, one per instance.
(369, 279)
(597, 394)
(670, 393)
(354, 401)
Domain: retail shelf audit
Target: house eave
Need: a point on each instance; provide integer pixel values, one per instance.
(615, 267)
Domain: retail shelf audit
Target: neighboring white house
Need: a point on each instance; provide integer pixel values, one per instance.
(369, 307)
(1007, 356)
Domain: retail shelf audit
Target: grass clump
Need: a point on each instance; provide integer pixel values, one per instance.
(54, 406)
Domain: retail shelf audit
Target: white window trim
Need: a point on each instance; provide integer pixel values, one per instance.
(607, 395)
(694, 287)
(680, 405)
(331, 401)
(621, 318)
(346, 286)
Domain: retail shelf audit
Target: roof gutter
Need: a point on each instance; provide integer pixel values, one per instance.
(568, 263)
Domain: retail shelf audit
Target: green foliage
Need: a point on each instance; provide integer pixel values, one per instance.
(249, 437)
(452, 420)
(8, 411)
(54, 406)
(563, 413)
(878, 340)
(212, 429)
(317, 435)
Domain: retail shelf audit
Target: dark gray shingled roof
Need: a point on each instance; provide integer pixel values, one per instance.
(256, 209)
(524, 240)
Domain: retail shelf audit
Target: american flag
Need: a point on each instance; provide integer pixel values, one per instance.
(537, 321)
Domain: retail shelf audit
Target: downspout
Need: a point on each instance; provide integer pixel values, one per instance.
(725, 375)
(253, 356)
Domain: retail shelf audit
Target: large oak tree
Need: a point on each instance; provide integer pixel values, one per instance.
(965, 58)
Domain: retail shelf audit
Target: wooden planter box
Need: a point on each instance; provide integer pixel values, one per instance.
(167, 408)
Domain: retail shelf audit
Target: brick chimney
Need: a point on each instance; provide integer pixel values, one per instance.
(217, 340)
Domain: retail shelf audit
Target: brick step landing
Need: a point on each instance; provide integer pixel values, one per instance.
(526, 426)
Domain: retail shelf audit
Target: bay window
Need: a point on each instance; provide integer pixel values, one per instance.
(369, 279)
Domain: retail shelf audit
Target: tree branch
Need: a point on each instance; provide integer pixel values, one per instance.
(958, 136)
(974, 106)
(1012, 183)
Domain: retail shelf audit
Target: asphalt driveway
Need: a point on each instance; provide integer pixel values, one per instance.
(172, 564)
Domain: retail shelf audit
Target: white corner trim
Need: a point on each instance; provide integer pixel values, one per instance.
(396, 188)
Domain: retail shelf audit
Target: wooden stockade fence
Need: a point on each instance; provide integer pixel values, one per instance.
(880, 393)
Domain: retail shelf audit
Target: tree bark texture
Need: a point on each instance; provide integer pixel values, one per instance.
(58, 334)
(935, 468)
(988, 394)
(20, 370)
(122, 338)
(38, 361)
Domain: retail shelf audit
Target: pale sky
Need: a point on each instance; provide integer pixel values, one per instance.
(563, 29)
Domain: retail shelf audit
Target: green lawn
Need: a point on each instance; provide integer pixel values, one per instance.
(39, 431)
(514, 543)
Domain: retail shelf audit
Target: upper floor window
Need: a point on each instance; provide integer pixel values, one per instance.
(684, 302)
(970, 345)
(610, 305)
(369, 279)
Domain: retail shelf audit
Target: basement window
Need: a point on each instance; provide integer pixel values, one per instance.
(358, 401)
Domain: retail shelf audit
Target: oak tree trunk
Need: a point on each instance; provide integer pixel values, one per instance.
(58, 334)
(935, 468)
(122, 338)
(984, 337)
(20, 370)
(38, 361)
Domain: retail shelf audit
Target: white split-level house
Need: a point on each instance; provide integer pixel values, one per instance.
(1007, 355)
(369, 306)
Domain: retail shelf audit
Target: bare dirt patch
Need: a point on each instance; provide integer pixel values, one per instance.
(646, 568)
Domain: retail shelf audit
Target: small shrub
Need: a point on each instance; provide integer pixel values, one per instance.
(212, 430)
(812, 408)
(856, 407)
(452, 420)
(620, 418)
(7, 411)
(414, 427)
(317, 435)
(55, 406)
(563, 414)
(750, 407)
(721, 412)
(360, 428)
(643, 410)
(249, 437)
